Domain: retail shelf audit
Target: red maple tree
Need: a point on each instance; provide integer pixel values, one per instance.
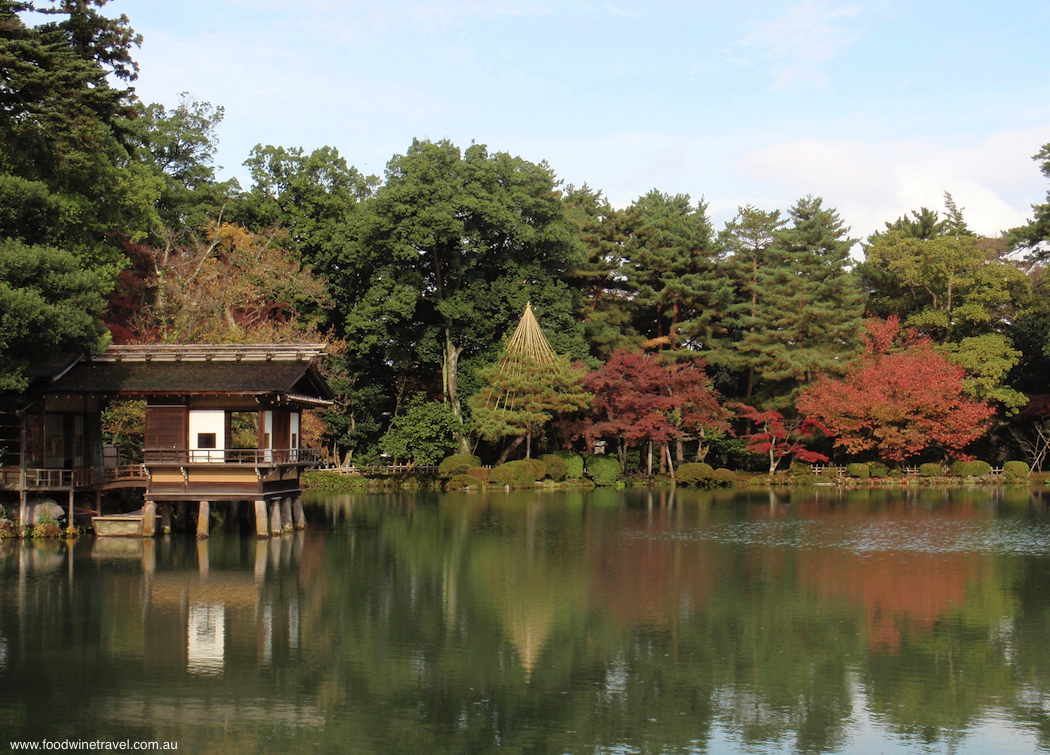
(775, 439)
(901, 398)
(636, 399)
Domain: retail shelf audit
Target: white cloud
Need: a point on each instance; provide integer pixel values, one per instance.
(993, 180)
(799, 42)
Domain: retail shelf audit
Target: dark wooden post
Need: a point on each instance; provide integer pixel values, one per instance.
(165, 518)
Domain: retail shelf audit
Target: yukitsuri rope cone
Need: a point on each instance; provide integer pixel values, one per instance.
(526, 348)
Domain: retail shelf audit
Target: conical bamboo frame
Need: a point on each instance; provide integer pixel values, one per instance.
(527, 345)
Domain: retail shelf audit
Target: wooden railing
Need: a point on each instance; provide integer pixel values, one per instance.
(72, 478)
(259, 457)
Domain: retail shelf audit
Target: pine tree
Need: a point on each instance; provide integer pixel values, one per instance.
(808, 317)
(745, 244)
(681, 297)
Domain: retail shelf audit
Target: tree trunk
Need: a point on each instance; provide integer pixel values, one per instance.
(670, 462)
(506, 451)
(649, 460)
(450, 378)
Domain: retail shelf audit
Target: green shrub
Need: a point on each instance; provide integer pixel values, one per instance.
(1015, 471)
(1016, 467)
(725, 478)
(555, 467)
(539, 469)
(857, 469)
(695, 473)
(458, 464)
(573, 464)
(800, 469)
(931, 470)
(516, 474)
(896, 474)
(323, 480)
(482, 473)
(603, 469)
(464, 482)
(878, 469)
(971, 468)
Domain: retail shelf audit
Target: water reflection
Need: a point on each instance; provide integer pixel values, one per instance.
(618, 621)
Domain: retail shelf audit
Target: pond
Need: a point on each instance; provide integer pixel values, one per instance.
(805, 621)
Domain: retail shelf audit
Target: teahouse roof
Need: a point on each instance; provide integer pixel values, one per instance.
(287, 370)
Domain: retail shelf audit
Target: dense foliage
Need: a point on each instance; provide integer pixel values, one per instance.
(676, 342)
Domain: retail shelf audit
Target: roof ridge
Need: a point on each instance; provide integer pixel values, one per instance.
(197, 352)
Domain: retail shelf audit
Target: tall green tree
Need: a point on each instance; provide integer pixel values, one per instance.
(809, 309)
(670, 248)
(48, 304)
(604, 294)
(67, 173)
(745, 244)
(449, 251)
(179, 145)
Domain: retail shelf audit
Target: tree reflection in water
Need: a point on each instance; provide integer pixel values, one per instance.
(808, 621)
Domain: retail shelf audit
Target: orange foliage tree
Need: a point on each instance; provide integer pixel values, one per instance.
(899, 399)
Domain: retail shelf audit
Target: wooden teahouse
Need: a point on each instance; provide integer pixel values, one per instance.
(223, 423)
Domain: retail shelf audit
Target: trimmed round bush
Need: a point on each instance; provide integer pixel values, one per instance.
(573, 464)
(555, 467)
(1015, 471)
(857, 469)
(930, 470)
(517, 474)
(463, 482)
(878, 469)
(458, 464)
(604, 470)
(695, 473)
(1016, 467)
(482, 473)
(538, 468)
(725, 478)
(971, 468)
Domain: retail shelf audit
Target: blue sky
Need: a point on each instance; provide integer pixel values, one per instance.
(878, 107)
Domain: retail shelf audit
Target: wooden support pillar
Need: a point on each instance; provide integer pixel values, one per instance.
(180, 515)
(23, 510)
(275, 517)
(165, 518)
(69, 514)
(149, 518)
(203, 515)
(261, 528)
(298, 518)
(98, 503)
(286, 514)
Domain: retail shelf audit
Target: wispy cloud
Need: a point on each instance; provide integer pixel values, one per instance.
(799, 42)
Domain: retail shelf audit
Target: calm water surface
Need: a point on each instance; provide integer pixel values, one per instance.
(604, 622)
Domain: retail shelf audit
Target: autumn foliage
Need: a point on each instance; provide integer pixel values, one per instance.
(637, 398)
(775, 438)
(899, 399)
